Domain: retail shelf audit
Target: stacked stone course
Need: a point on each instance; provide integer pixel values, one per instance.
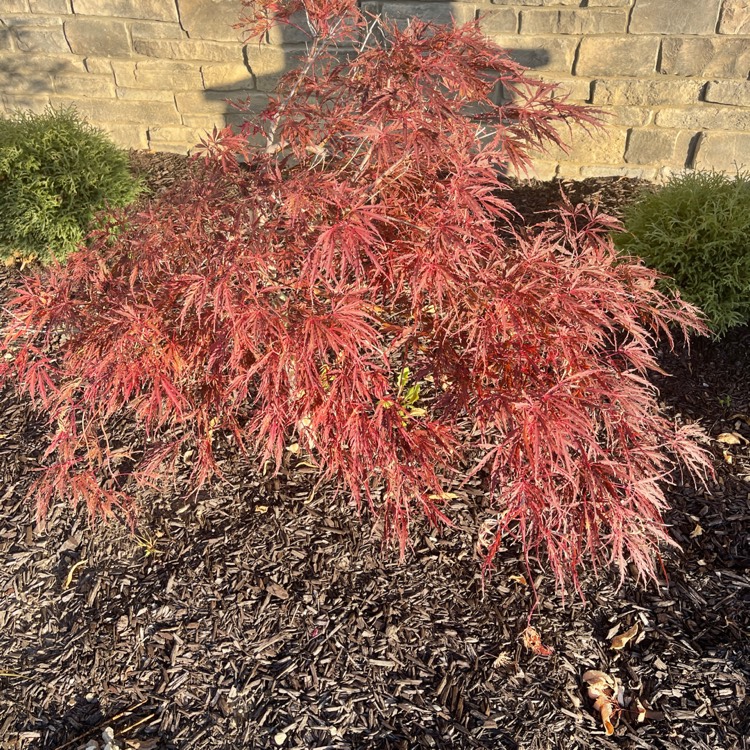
(673, 75)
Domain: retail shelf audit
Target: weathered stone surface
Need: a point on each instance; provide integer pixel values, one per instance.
(12, 102)
(144, 95)
(735, 17)
(86, 86)
(188, 50)
(652, 146)
(648, 92)
(268, 64)
(214, 102)
(37, 34)
(226, 77)
(706, 57)
(540, 53)
(50, 6)
(99, 65)
(6, 42)
(294, 32)
(156, 30)
(499, 21)
(633, 56)
(211, 19)
(591, 147)
(723, 152)
(517, 2)
(609, 3)
(729, 92)
(127, 136)
(176, 134)
(660, 17)
(584, 21)
(15, 6)
(114, 110)
(158, 74)
(638, 173)
(628, 117)
(434, 12)
(706, 117)
(154, 10)
(541, 169)
(574, 88)
(97, 36)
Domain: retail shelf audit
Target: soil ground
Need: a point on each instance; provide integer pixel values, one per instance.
(261, 615)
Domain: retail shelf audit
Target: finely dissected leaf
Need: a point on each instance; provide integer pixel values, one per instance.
(357, 291)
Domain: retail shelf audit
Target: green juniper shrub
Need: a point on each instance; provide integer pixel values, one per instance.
(56, 173)
(696, 231)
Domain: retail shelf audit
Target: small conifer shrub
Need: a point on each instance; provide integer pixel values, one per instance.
(346, 293)
(696, 231)
(56, 173)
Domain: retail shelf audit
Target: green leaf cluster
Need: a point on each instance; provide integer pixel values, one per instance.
(56, 173)
(696, 231)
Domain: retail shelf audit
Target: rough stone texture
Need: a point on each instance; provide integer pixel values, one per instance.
(709, 117)
(648, 92)
(155, 30)
(584, 21)
(101, 111)
(729, 92)
(660, 17)
(97, 36)
(155, 10)
(625, 56)
(723, 151)
(158, 74)
(541, 53)
(706, 57)
(434, 12)
(499, 21)
(50, 6)
(735, 17)
(188, 50)
(609, 3)
(208, 102)
(211, 19)
(86, 86)
(226, 77)
(36, 34)
(651, 146)
(144, 95)
(575, 89)
(627, 117)
(127, 136)
(591, 146)
(267, 65)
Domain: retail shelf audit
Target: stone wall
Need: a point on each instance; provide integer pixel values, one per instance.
(672, 74)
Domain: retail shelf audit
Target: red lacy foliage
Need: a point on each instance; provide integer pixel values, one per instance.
(364, 250)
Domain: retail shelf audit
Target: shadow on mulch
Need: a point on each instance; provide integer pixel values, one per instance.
(263, 615)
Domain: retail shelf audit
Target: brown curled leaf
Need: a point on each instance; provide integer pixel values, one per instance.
(608, 710)
(533, 642)
(620, 641)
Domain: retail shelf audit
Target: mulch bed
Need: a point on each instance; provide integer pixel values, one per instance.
(259, 614)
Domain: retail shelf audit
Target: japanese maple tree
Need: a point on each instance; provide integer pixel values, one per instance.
(344, 277)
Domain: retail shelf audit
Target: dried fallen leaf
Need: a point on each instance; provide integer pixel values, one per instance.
(520, 580)
(620, 641)
(71, 572)
(697, 531)
(602, 689)
(533, 642)
(728, 457)
(730, 438)
(278, 591)
(608, 710)
(638, 711)
(598, 682)
(279, 738)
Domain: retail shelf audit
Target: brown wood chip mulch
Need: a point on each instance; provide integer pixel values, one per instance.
(262, 615)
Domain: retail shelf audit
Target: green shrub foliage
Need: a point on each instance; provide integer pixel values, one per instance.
(56, 173)
(696, 230)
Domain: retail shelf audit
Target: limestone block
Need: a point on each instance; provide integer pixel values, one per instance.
(188, 50)
(6, 42)
(584, 21)
(167, 147)
(735, 17)
(574, 88)
(116, 110)
(721, 57)
(541, 169)
(660, 17)
(624, 56)
(155, 10)
(517, 2)
(268, 64)
(226, 77)
(592, 146)
(552, 53)
(211, 19)
(176, 134)
(97, 36)
(12, 102)
(37, 34)
(646, 92)
(144, 95)
(294, 32)
(85, 86)
(723, 152)
(433, 12)
(706, 117)
(158, 74)
(209, 102)
(498, 21)
(609, 3)
(15, 6)
(99, 65)
(50, 6)
(729, 92)
(651, 146)
(627, 117)
(638, 173)
(156, 30)
(126, 136)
